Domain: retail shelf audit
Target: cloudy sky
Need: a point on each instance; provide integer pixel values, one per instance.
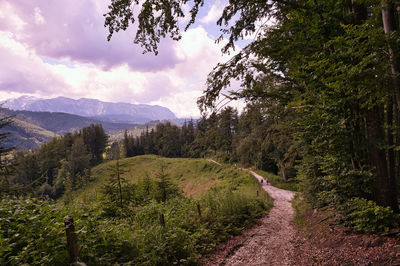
(54, 48)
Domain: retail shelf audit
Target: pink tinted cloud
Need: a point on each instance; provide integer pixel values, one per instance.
(75, 29)
(24, 72)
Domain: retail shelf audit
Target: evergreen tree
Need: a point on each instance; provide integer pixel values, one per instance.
(5, 165)
(95, 140)
(78, 159)
(115, 186)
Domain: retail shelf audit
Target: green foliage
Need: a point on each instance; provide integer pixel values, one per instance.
(113, 190)
(48, 167)
(365, 215)
(300, 207)
(185, 237)
(331, 186)
(133, 234)
(31, 233)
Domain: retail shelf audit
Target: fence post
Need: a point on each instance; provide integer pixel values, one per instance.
(72, 240)
(162, 220)
(199, 209)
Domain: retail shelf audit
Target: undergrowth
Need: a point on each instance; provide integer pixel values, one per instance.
(146, 230)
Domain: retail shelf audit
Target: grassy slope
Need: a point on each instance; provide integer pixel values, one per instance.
(24, 135)
(185, 237)
(194, 176)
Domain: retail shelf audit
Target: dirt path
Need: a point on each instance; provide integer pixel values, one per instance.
(213, 161)
(269, 242)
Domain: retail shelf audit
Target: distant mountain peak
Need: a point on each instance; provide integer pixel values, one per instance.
(105, 111)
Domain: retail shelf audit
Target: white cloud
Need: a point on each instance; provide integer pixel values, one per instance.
(214, 13)
(39, 19)
(23, 70)
(8, 17)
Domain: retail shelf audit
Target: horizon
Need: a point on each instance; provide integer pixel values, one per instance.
(84, 98)
(49, 52)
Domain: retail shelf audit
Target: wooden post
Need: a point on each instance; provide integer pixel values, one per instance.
(162, 220)
(72, 240)
(199, 209)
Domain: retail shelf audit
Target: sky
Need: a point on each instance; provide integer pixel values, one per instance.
(54, 48)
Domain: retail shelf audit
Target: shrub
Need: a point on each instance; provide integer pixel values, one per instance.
(365, 215)
(31, 233)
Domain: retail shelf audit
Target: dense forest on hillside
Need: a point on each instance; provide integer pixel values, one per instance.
(62, 164)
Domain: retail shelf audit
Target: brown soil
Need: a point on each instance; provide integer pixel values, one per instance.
(267, 243)
(321, 242)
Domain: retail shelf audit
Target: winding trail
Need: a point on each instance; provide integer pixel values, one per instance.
(268, 243)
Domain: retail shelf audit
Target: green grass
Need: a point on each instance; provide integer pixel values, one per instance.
(301, 208)
(277, 181)
(193, 176)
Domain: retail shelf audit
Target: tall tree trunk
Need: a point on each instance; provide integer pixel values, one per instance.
(283, 171)
(384, 191)
(390, 139)
(397, 142)
(391, 153)
(389, 25)
(397, 3)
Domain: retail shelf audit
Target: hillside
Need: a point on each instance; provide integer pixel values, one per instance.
(194, 176)
(24, 135)
(175, 216)
(98, 110)
(31, 129)
(138, 129)
(60, 123)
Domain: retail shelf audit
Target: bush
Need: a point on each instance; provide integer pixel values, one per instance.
(365, 215)
(31, 233)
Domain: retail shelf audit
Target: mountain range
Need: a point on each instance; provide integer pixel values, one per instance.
(92, 108)
(36, 121)
(31, 129)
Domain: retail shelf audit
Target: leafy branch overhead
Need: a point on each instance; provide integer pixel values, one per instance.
(158, 19)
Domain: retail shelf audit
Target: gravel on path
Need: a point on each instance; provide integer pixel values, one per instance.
(270, 242)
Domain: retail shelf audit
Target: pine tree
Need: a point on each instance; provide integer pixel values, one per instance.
(115, 185)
